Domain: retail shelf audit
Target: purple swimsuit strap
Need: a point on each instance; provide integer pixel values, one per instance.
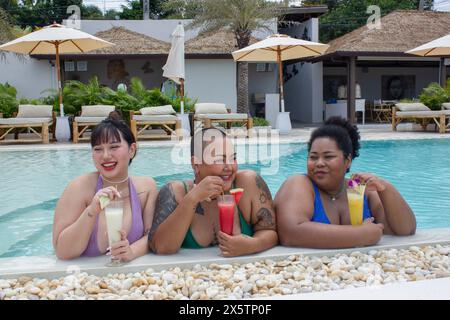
(137, 224)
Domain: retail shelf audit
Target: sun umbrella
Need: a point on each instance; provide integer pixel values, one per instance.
(278, 48)
(55, 39)
(174, 67)
(436, 48)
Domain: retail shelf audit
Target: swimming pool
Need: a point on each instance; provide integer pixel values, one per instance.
(32, 181)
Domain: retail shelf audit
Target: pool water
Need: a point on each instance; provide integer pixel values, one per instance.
(32, 181)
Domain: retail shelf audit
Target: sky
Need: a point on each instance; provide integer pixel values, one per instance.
(441, 5)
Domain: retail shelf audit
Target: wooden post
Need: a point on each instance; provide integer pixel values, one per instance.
(351, 89)
(249, 127)
(280, 78)
(442, 126)
(58, 71)
(75, 132)
(182, 95)
(45, 138)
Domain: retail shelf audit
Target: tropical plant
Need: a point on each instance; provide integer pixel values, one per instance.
(8, 101)
(77, 94)
(241, 17)
(434, 95)
(260, 122)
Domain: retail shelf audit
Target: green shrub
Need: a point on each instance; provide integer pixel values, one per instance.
(434, 96)
(260, 122)
(8, 101)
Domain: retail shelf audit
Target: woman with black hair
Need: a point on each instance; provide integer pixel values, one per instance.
(187, 212)
(312, 209)
(79, 227)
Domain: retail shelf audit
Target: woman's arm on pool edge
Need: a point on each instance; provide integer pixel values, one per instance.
(294, 206)
(398, 213)
(262, 219)
(73, 222)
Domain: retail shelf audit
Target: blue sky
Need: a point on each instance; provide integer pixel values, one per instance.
(442, 5)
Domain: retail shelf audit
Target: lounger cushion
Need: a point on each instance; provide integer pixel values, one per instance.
(160, 110)
(97, 111)
(446, 106)
(221, 116)
(25, 121)
(213, 108)
(34, 111)
(89, 119)
(155, 118)
(422, 113)
(416, 106)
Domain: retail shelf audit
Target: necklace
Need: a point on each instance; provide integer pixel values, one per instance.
(115, 182)
(334, 196)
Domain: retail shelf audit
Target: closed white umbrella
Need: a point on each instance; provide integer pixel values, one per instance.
(436, 48)
(278, 48)
(56, 39)
(174, 67)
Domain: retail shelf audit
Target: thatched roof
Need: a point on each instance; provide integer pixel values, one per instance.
(129, 42)
(220, 42)
(400, 31)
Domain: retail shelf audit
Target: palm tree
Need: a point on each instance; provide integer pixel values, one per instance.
(242, 17)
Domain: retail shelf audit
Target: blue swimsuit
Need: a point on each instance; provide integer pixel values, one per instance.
(319, 211)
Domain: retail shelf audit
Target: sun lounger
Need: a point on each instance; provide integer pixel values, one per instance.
(31, 118)
(446, 106)
(90, 117)
(418, 111)
(163, 117)
(208, 114)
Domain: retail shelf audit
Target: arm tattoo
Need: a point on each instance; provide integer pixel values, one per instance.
(265, 220)
(165, 205)
(264, 189)
(90, 215)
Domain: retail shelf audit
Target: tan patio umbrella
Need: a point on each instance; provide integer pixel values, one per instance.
(56, 39)
(436, 48)
(279, 48)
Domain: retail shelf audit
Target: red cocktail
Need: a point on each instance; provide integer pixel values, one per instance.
(226, 206)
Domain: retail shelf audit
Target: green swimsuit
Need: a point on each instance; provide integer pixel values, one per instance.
(189, 241)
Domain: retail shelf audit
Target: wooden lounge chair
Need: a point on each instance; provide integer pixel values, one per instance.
(418, 111)
(33, 118)
(208, 114)
(90, 116)
(142, 122)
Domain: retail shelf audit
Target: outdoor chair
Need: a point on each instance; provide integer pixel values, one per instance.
(381, 111)
(446, 106)
(420, 112)
(207, 114)
(150, 117)
(90, 117)
(32, 118)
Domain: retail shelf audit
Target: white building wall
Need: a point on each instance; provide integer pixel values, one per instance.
(211, 80)
(152, 79)
(304, 91)
(29, 76)
(370, 79)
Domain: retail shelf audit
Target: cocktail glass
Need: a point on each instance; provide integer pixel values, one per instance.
(114, 219)
(226, 206)
(355, 196)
